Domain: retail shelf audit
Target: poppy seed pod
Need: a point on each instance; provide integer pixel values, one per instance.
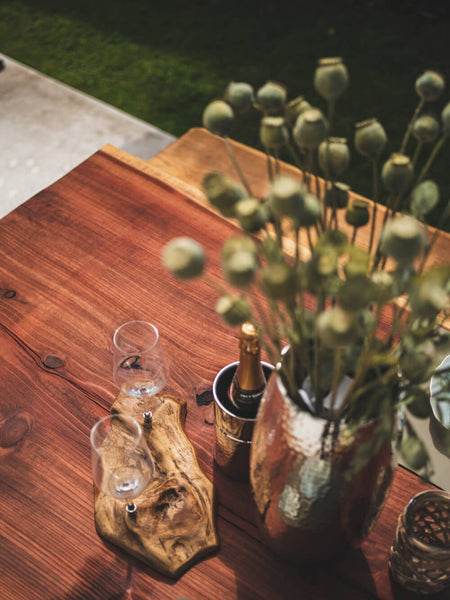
(251, 214)
(445, 116)
(336, 327)
(402, 238)
(331, 78)
(397, 173)
(416, 363)
(310, 129)
(273, 133)
(184, 257)
(237, 244)
(426, 128)
(233, 310)
(357, 264)
(334, 156)
(336, 195)
(278, 280)
(357, 213)
(414, 453)
(239, 268)
(218, 117)
(424, 198)
(382, 283)
(310, 211)
(271, 97)
(286, 197)
(370, 138)
(295, 108)
(240, 96)
(418, 402)
(222, 192)
(428, 299)
(430, 85)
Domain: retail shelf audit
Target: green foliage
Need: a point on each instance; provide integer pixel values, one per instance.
(163, 62)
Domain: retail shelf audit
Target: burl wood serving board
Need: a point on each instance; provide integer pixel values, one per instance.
(174, 525)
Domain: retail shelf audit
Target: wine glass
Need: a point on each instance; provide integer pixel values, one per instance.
(122, 465)
(140, 366)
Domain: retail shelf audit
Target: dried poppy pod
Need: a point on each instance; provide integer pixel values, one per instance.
(383, 286)
(428, 298)
(337, 327)
(236, 244)
(357, 213)
(414, 452)
(331, 78)
(222, 192)
(239, 268)
(278, 280)
(334, 156)
(424, 198)
(184, 257)
(251, 214)
(337, 194)
(426, 129)
(310, 211)
(233, 310)
(218, 117)
(286, 196)
(273, 133)
(295, 108)
(430, 85)
(310, 129)
(240, 96)
(397, 173)
(402, 238)
(370, 138)
(271, 97)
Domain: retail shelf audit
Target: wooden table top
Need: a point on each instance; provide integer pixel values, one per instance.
(78, 259)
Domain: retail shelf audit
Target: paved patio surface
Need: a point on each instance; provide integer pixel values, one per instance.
(47, 128)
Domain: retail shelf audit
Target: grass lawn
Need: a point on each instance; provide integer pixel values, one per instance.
(164, 61)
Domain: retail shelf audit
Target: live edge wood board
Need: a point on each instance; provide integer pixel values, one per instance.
(174, 523)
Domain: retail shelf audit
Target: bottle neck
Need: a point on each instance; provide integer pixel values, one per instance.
(249, 373)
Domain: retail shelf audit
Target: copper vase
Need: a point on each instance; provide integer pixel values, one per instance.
(313, 503)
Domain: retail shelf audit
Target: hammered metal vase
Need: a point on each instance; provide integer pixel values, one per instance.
(312, 503)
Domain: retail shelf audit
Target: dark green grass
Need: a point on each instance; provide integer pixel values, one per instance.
(164, 61)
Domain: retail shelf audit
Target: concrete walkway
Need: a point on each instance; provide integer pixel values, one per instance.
(47, 128)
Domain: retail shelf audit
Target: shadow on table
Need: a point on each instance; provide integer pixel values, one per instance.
(242, 547)
(100, 580)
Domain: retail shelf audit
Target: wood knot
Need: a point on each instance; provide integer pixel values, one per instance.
(53, 362)
(8, 294)
(170, 501)
(204, 398)
(13, 431)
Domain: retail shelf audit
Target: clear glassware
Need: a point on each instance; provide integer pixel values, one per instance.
(140, 366)
(122, 464)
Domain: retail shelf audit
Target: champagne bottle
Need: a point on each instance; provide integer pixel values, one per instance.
(248, 383)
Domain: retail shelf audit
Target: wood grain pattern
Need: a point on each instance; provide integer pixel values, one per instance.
(174, 525)
(77, 260)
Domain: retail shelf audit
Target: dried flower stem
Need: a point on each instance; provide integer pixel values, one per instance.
(411, 125)
(375, 186)
(431, 158)
(417, 154)
(237, 166)
(337, 376)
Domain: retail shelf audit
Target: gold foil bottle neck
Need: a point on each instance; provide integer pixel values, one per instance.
(248, 339)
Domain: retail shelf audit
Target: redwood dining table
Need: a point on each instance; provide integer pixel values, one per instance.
(77, 260)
